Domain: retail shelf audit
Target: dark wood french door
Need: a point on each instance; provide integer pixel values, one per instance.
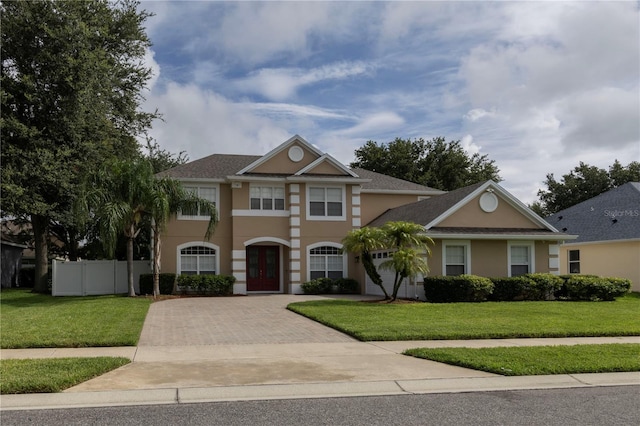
(263, 268)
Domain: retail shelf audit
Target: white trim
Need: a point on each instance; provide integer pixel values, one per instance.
(554, 263)
(294, 266)
(238, 265)
(294, 221)
(355, 211)
(355, 190)
(554, 250)
(355, 200)
(259, 213)
(527, 237)
(295, 243)
(295, 210)
(240, 276)
(266, 240)
(195, 244)
(294, 199)
(294, 188)
(295, 277)
(280, 148)
(325, 158)
(355, 222)
(234, 178)
(309, 247)
(532, 254)
(401, 191)
(294, 254)
(467, 254)
(295, 232)
(588, 243)
(238, 254)
(328, 179)
(340, 218)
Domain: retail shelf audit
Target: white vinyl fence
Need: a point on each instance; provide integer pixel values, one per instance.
(94, 277)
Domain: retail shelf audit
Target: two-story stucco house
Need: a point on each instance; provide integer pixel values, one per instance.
(283, 215)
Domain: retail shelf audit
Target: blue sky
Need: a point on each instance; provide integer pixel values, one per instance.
(538, 86)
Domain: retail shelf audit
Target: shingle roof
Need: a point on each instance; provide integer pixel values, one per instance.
(425, 211)
(219, 166)
(493, 231)
(612, 215)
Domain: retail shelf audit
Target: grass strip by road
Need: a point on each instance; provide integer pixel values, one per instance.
(537, 360)
(54, 374)
(490, 320)
(32, 320)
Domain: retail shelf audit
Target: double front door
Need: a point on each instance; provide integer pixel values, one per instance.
(263, 268)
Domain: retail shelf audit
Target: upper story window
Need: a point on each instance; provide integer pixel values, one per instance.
(574, 261)
(267, 198)
(199, 211)
(197, 260)
(326, 203)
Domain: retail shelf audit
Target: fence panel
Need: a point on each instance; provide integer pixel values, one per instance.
(95, 277)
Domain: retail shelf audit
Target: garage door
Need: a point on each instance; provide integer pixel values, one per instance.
(407, 289)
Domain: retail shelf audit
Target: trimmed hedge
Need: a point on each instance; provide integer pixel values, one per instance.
(328, 285)
(526, 287)
(216, 285)
(461, 288)
(166, 283)
(594, 288)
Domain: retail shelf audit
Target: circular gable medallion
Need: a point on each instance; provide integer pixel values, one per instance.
(488, 202)
(296, 153)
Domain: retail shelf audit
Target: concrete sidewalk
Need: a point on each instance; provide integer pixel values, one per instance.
(254, 348)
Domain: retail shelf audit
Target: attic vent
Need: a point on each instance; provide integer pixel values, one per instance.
(488, 202)
(296, 153)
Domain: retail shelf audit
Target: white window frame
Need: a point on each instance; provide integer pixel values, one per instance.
(467, 254)
(572, 262)
(198, 187)
(273, 198)
(341, 218)
(345, 272)
(532, 254)
(196, 244)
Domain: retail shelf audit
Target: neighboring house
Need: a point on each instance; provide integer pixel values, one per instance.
(283, 216)
(11, 261)
(482, 230)
(608, 226)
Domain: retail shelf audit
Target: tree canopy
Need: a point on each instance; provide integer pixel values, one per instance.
(435, 163)
(582, 183)
(72, 75)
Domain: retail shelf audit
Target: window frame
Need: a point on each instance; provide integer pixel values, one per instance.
(531, 256)
(273, 198)
(198, 187)
(466, 244)
(571, 263)
(197, 244)
(326, 244)
(342, 217)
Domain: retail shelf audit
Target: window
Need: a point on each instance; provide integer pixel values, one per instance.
(520, 259)
(574, 261)
(456, 257)
(326, 203)
(267, 198)
(326, 262)
(198, 211)
(197, 260)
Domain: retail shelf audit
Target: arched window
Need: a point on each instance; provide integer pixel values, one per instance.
(197, 260)
(326, 262)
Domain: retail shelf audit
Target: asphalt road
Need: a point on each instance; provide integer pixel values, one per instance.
(584, 406)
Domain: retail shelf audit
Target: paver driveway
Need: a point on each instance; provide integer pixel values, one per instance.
(233, 321)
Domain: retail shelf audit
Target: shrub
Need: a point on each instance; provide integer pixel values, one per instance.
(509, 288)
(166, 283)
(461, 288)
(318, 286)
(217, 285)
(542, 286)
(347, 286)
(594, 288)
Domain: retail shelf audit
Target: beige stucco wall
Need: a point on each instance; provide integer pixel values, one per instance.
(505, 216)
(612, 259)
(326, 168)
(373, 205)
(281, 164)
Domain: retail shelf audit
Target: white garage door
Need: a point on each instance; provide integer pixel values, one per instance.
(407, 289)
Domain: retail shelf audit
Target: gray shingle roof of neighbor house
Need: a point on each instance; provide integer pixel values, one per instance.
(612, 215)
(425, 211)
(219, 166)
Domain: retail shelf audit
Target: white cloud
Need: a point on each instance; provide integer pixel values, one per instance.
(379, 122)
(478, 113)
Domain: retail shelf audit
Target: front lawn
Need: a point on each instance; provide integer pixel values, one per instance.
(32, 320)
(534, 360)
(369, 321)
(52, 375)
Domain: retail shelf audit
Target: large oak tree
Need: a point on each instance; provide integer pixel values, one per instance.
(72, 75)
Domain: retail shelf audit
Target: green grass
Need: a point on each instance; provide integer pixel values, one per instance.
(32, 320)
(535, 360)
(490, 320)
(52, 375)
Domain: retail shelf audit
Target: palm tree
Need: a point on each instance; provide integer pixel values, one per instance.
(167, 198)
(410, 243)
(362, 242)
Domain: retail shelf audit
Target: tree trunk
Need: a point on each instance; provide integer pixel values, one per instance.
(156, 263)
(73, 244)
(130, 237)
(40, 225)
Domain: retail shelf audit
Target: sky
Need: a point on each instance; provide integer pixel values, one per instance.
(538, 86)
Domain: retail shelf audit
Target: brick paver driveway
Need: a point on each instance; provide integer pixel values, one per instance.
(232, 321)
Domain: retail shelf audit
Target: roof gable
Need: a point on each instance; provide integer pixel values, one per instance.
(287, 158)
(612, 215)
(326, 165)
